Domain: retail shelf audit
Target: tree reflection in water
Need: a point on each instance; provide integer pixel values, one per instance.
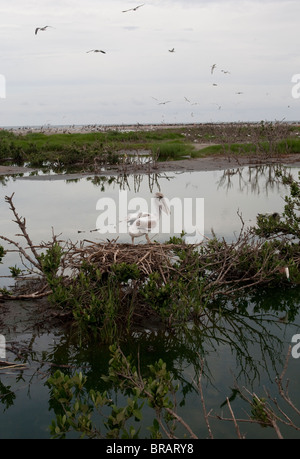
(251, 330)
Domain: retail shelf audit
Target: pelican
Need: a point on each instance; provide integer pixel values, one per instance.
(142, 223)
(172, 50)
(42, 28)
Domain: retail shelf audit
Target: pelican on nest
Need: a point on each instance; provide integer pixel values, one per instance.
(142, 223)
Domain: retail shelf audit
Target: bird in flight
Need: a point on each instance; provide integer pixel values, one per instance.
(213, 68)
(42, 28)
(96, 51)
(172, 50)
(133, 9)
(161, 103)
(192, 103)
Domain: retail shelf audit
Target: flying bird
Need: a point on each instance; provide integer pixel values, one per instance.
(133, 9)
(172, 50)
(96, 51)
(213, 68)
(192, 103)
(161, 103)
(42, 28)
(142, 223)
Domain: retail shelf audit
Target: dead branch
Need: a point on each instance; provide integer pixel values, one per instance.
(22, 225)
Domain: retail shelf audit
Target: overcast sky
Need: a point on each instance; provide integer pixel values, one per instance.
(50, 78)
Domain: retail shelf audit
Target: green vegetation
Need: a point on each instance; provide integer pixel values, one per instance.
(63, 151)
(76, 151)
(283, 147)
(75, 406)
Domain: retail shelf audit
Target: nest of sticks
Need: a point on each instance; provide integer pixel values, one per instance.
(224, 267)
(148, 258)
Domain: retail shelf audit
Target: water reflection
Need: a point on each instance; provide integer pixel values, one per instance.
(245, 338)
(129, 182)
(254, 179)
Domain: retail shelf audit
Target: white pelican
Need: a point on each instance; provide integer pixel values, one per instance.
(142, 223)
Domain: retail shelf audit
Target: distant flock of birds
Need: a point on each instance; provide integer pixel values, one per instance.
(172, 50)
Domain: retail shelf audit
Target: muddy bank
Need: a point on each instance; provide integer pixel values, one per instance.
(185, 165)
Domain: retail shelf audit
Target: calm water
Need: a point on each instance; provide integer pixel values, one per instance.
(247, 348)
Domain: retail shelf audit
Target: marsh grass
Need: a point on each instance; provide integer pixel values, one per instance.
(84, 149)
(172, 150)
(283, 147)
(62, 151)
